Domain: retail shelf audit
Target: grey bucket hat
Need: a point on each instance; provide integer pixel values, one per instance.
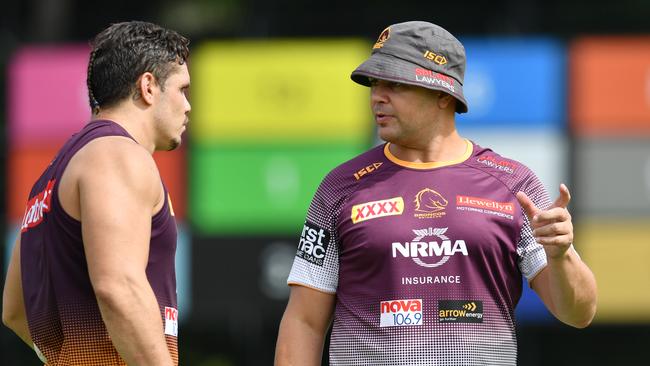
(420, 54)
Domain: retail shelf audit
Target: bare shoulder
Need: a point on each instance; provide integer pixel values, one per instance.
(120, 162)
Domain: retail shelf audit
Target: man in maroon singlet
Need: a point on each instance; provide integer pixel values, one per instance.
(91, 279)
(416, 248)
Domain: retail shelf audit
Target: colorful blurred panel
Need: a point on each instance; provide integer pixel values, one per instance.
(280, 91)
(617, 251)
(173, 171)
(531, 309)
(48, 103)
(514, 83)
(613, 177)
(48, 97)
(610, 86)
(545, 152)
(24, 167)
(256, 189)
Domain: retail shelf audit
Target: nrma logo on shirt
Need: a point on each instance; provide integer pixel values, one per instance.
(313, 243)
(430, 254)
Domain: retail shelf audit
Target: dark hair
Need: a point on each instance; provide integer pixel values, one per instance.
(123, 52)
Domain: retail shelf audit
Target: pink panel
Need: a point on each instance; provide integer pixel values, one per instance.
(47, 96)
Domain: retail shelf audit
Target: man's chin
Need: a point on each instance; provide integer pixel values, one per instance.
(173, 144)
(388, 137)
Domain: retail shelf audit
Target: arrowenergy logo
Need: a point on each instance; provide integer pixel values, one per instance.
(429, 204)
(429, 254)
(372, 210)
(460, 311)
(383, 37)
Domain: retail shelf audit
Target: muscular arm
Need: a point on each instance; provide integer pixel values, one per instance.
(568, 289)
(13, 305)
(119, 191)
(566, 285)
(303, 327)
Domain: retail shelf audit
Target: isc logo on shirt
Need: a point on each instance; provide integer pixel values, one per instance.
(313, 243)
(398, 313)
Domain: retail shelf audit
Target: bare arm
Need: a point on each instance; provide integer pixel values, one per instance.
(119, 191)
(13, 304)
(566, 285)
(303, 327)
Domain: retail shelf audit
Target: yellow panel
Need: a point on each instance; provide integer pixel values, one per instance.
(292, 90)
(618, 252)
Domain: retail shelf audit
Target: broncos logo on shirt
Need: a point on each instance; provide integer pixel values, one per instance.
(428, 200)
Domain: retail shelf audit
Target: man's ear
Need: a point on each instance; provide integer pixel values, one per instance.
(445, 100)
(145, 87)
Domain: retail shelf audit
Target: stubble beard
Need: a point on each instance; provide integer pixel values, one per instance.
(173, 144)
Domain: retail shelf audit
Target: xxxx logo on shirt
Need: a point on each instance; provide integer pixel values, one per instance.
(372, 210)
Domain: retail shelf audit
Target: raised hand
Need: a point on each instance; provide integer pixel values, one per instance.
(552, 227)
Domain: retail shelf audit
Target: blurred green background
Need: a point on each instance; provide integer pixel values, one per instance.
(562, 86)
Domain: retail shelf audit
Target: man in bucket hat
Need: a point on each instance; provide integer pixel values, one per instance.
(416, 248)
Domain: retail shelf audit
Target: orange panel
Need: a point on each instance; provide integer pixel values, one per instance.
(172, 170)
(24, 166)
(610, 86)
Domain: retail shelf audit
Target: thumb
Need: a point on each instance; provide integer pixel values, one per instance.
(565, 197)
(529, 207)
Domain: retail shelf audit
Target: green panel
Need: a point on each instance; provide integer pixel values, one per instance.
(280, 91)
(258, 190)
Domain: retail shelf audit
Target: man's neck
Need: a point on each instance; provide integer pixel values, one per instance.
(440, 148)
(132, 123)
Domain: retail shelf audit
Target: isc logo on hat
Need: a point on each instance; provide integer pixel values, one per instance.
(313, 243)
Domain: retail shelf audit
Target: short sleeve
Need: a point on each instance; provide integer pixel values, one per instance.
(532, 258)
(316, 264)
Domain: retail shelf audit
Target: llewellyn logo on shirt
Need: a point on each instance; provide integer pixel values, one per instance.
(485, 206)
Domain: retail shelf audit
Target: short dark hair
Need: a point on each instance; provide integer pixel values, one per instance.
(123, 52)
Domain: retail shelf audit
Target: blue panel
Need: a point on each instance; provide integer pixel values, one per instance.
(515, 83)
(531, 309)
(184, 272)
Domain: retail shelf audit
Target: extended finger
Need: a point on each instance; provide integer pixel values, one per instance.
(528, 206)
(556, 214)
(564, 198)
(560, 240)
(554, 229)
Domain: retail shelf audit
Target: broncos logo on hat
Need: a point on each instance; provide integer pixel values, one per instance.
(383, 37)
